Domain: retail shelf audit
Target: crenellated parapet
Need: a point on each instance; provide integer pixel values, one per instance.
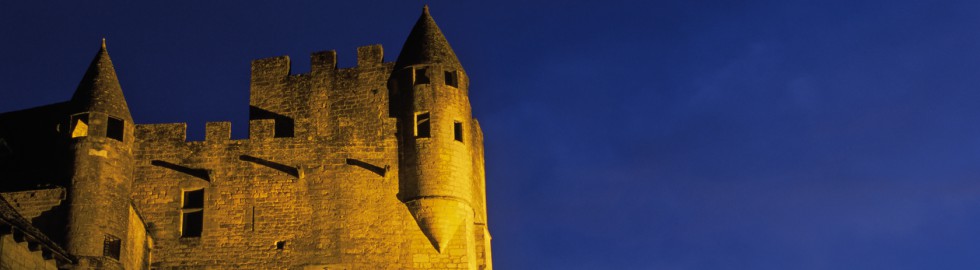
(156, 133)
(379, 165)
(328, 98)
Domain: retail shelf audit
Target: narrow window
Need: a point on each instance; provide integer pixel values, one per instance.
(451, 79)
(79, 125)
(111, 246)
(458, 131)
(421, 77)
(114, 129)
(192, 213)
(422, 125)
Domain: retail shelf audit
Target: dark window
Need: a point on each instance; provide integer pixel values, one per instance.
(192, 213)
(451, 79)
(192, 224)
(458, 131)
(114, 128)
(421, 77)
(285, 127)
(280, 245)
(79, 125)
(422, 125)
(193, 199)
(111, 246)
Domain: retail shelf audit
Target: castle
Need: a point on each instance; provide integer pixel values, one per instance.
(378, 166)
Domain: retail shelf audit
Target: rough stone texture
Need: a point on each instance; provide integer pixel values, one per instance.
(138, 245)
(32, 203)
(22, 246)
(19, 256)
(332, 175)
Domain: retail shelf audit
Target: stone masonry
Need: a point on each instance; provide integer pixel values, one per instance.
(378, 166)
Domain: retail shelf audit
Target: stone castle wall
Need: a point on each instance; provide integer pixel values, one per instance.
(318, 174)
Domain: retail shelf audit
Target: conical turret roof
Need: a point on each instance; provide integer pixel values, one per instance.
(426, 45)
(99, 90)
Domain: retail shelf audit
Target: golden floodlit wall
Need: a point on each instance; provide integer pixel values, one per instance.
(376, 166)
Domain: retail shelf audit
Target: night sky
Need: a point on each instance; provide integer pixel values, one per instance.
(619, 135)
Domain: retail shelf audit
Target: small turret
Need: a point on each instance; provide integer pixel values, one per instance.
(101, 134)
(427, 45)
(430, 100)
(99, 90)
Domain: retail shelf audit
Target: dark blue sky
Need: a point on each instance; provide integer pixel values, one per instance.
(619, 135)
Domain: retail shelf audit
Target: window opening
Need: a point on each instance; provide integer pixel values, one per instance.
(422, 125)
(111, 246)
(79, 125)
(280, 245)
(192, 213)
(458, 131)
(451, 79)
(114, 128)
(421, 77)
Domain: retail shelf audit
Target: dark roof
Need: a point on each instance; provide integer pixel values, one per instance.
(426, 45)
(99, 90)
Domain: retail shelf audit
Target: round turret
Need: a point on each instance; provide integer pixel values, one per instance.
(436, 156)
(101, 134)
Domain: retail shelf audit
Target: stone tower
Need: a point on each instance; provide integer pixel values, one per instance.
(436, 139)
(375, 166)
(101, 134)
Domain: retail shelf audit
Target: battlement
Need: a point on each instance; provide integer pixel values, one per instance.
(170, 132)
(215, 132)
(279, 67)
(330, 154)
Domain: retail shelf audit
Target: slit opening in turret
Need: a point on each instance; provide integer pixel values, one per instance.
(421, 77)
(458, 131)
(111, 247)
(114, 128)
(422, 126)
(79, 125)
(451, 79)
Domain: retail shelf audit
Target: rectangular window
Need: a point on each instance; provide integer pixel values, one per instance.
(451, 79)
(79, 125)
(192, 213)
(421, 77)
(111, 247)
(193, 199)
(458, 131)
(192, 223)
(114, 129)
(422, 125)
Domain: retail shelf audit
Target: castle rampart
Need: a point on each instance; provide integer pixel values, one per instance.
(334, 173)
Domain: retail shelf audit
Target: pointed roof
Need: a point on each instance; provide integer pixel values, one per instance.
(99, 90)
(426, 45)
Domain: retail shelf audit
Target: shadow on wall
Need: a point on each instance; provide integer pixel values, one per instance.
(199, 173)
(284, 124)
(290, 170)
(368, 166)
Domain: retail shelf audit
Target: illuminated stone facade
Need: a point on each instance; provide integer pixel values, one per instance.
(378, 166)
